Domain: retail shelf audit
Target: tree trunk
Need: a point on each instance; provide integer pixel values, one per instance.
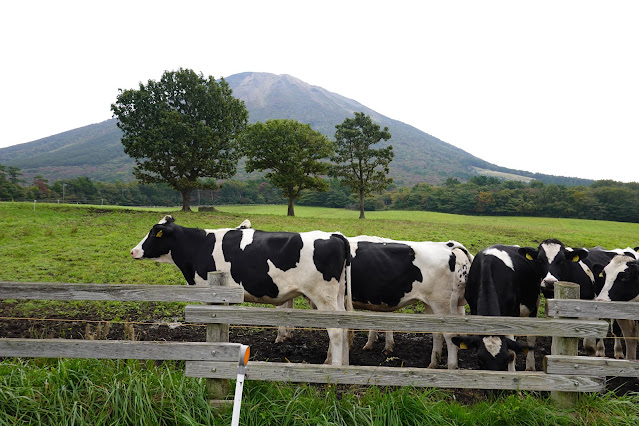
(291, 207)
(186, 200)
(361, 204)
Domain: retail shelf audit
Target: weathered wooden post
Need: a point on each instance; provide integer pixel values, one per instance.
(218, 389)
(565, 345)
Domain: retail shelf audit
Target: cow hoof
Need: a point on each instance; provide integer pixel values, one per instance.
(433, 365)
(367, 347)
(590, 351)
(620, 356)
(530, 369)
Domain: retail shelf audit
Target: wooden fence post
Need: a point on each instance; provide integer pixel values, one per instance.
(565, 345)
(218, 389)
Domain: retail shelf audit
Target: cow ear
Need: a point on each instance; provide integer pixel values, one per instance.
(465, 342)
(245, 225)
(528, 252)
(597, 270)
(575, 255)
(168, 219)
(518, 347)
(632, 272)
(161, 231)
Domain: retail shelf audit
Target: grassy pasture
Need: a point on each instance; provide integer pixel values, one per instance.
(65, 243)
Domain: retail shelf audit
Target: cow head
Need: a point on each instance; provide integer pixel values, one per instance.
(157, 244)
(620, 278)
(553, 261)
(493, 352)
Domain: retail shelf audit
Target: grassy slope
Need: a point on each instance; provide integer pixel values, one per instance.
(78, 244)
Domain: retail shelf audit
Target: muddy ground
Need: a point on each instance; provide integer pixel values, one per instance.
(411, 349)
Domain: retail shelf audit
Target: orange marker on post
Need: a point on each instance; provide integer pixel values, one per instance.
(245, 353)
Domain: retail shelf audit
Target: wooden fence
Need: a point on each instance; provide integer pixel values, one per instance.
(565, 374)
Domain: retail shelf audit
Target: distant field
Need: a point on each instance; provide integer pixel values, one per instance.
(476, 232)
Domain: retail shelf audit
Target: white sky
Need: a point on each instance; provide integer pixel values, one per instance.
(543, 86)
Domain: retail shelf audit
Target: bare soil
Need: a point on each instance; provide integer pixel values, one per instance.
(309, 346)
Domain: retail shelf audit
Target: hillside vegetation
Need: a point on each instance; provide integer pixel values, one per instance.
(95, 151)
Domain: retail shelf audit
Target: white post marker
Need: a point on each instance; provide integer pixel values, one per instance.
(245, 353)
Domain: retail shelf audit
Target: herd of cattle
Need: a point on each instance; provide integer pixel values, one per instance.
(340, 273)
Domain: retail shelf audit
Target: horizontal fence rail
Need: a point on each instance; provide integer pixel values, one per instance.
(593, 309)
(398, 376)
(593, 366)
(218, 360)
(454, 324)
(119, 349)
(121, 292)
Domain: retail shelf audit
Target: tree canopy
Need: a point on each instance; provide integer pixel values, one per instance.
(180, 129)
(358, 166)
(291, 152)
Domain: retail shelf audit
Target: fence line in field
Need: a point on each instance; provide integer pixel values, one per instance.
(217, 359)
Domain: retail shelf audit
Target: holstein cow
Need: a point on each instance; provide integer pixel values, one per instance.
(388, 275)
(555, 262)
(506, 281)
(621, 283)
(501, 282)
(272, 267)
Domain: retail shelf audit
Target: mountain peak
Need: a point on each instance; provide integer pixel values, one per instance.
(95, 151)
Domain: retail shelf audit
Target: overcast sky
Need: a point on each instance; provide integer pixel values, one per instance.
(542, 86)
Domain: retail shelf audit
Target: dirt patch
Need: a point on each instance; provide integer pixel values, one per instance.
(309, 346)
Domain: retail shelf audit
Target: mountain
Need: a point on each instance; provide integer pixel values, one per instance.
(95, 150)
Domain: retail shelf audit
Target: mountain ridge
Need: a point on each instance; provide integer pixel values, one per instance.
(95, 150)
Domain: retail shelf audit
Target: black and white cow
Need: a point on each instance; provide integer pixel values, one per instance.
(621, 283)
(507, 280)
(388, 275)
(272, 267)
(501, 282)
(555, 262)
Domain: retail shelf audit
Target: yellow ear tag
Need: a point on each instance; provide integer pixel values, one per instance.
(601, 275)
(575, 259)
(159, 234)
(463, 346)
(529, 257)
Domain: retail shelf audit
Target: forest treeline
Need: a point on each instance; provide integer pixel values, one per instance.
(481, 195)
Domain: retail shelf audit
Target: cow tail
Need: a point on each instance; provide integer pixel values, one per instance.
(348, 301)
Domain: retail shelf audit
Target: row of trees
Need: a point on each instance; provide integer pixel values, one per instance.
(481, 195)
(189, 131)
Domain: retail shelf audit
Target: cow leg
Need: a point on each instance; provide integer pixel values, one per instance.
(629, 329)
(284, 333)
(389, 343)
(601, 348)
(372, 338)
(436, 354)
(616, 332)
(338, 337)
(590, 346)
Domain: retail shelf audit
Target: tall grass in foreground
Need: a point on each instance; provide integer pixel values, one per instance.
(90, 392)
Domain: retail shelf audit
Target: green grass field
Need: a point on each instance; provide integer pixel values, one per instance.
(54, 243)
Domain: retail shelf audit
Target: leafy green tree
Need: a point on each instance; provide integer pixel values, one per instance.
(292, 154)
(180, 129)
(358, 166)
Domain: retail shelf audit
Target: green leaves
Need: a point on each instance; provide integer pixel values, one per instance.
(357, 165)
(180, 129)
(292, 154)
